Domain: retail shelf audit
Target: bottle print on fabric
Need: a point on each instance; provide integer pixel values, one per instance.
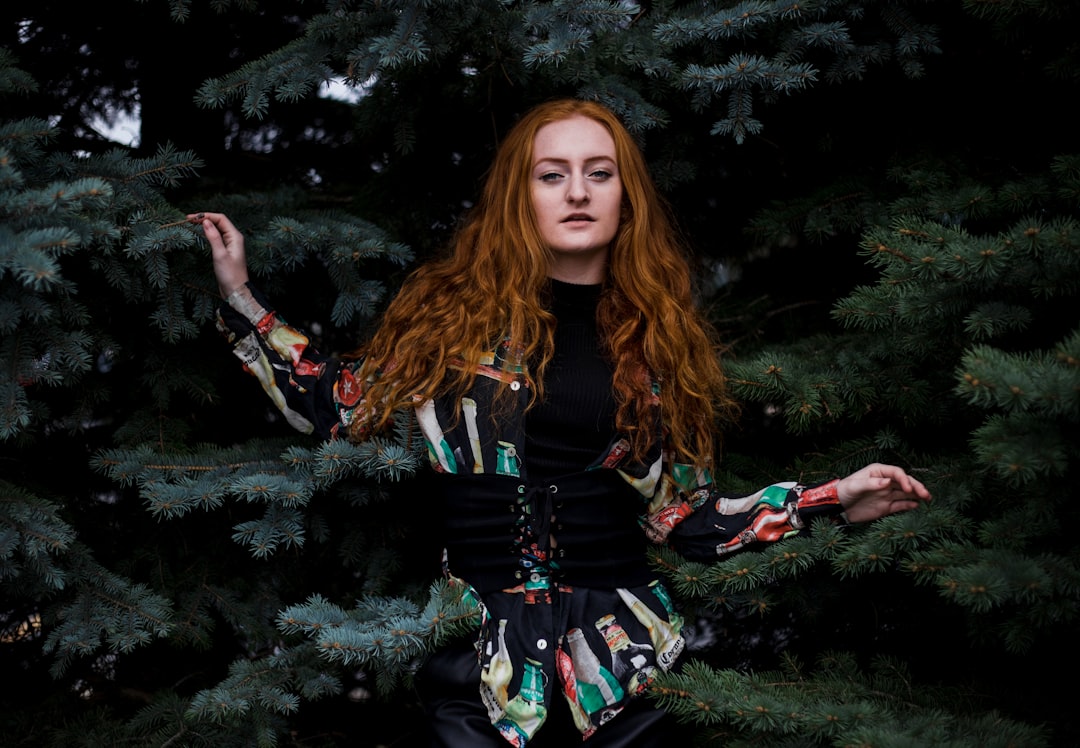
(627, 656)
(507, 460)
(666, 639)
(526, 711)
(439, 452)
(661, 594)
(565, 667)
(598, 691)
(496, 676)
(468, 410)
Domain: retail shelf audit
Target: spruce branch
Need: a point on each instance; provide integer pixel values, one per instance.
(105, 610)
(33, 539)
(386, 635)
(830, 704)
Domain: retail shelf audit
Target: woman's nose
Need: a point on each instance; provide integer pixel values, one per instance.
(577, 189)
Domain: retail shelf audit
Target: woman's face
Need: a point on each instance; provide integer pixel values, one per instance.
(576, 195)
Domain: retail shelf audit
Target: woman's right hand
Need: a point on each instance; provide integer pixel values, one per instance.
(227, 248)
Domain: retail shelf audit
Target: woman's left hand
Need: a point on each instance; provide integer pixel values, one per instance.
(878, 490)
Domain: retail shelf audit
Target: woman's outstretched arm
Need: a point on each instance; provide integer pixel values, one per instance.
(707, 524)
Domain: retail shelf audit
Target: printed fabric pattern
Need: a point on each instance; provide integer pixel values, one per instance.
(541, 636)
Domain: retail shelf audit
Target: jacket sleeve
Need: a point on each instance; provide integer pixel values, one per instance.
(704, 525)
(317, 394)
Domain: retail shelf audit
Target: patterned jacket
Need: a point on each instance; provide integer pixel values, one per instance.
(601, 644)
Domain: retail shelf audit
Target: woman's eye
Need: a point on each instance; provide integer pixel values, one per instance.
(551, 176)
(600, 174)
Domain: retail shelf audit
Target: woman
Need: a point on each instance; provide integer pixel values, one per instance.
(568, 391)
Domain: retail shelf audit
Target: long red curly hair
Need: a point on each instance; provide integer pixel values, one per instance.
(490, 288)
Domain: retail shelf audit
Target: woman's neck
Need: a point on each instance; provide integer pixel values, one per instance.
(582, 269)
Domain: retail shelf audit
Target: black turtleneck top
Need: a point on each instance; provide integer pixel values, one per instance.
(575, 421)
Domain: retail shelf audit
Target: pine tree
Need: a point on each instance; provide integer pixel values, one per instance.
(217, 579)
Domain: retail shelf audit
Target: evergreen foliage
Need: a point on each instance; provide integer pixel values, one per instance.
(179, 567)
(831, 705)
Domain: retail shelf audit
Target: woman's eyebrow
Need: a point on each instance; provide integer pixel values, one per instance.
(557, 160)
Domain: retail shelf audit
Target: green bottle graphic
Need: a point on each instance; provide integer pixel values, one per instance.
(665, 599)
(597, 688)
(527, 710)
(506, 460)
